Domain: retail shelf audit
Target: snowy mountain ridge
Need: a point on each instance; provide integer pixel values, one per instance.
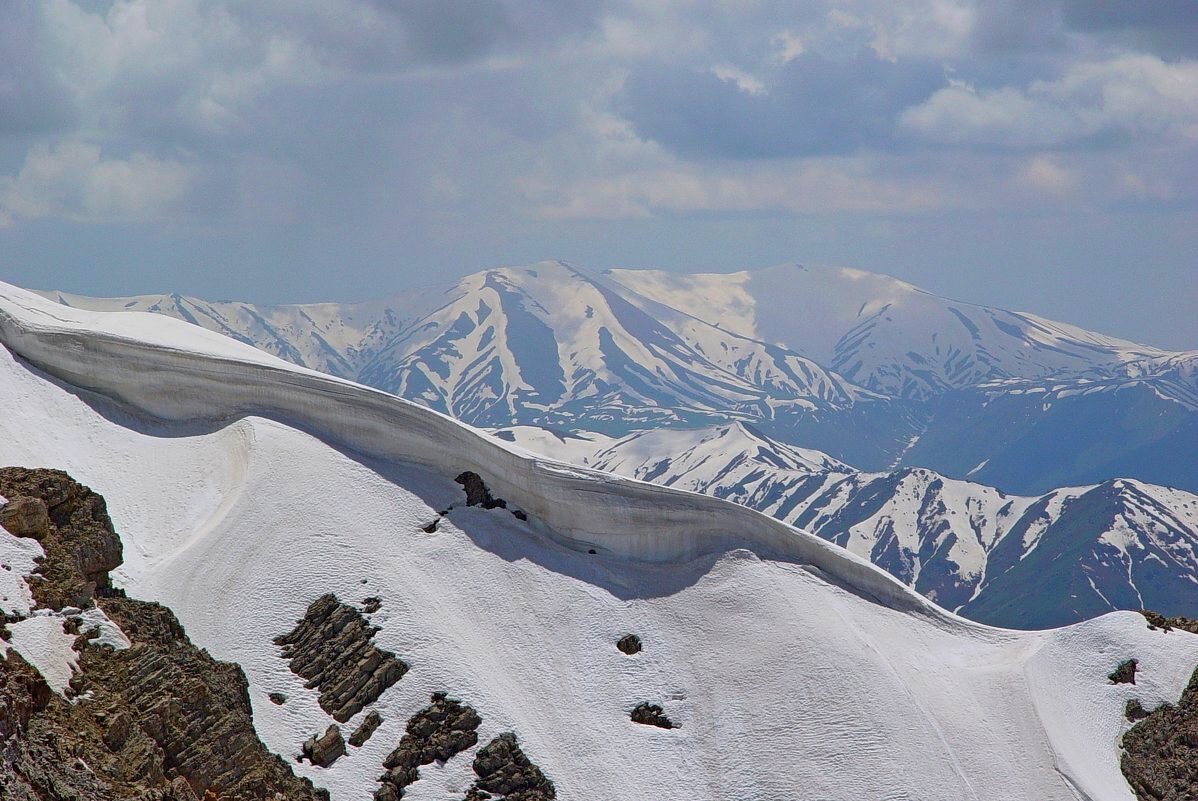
(985, 554)
(245, 488)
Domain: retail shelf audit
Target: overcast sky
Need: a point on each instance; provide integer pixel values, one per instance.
(1034, 155)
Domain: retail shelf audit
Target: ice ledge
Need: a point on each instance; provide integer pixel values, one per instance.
(175, 371)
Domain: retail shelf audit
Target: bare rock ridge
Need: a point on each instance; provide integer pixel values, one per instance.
(504, 770)
(331, 648)
(440, 731)
(159, 721)
(1158, 621)
(1160, 752)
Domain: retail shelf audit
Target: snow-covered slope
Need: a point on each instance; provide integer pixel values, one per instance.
(1011, 560)
(244, 488)
(883, 333)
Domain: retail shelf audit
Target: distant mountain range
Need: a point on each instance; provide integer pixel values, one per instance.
(1007, 560)
(954, 412)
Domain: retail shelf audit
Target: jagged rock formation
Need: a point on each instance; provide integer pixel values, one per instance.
(651, 715)
(1125, 673)
(72, 524)
(159, 721)
(330, 647)
(441, 730)
(325, 749)
(372, 604)
(1160, 753)
(629, 644)
(504, 770)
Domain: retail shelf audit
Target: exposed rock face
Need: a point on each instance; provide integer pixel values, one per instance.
(159, 721)
(372, 604)
(651, 715)
(366, 728)
(1160, 753)
(504, 770)
(330, 647)
(325, 749)
(26, 517)
(629, 644)
(80, 544)
(441, 730)
(1125, 673)
(477, 493)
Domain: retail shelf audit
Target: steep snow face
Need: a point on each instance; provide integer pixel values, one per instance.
(881, 333)
(794, 668)
(1003, 559)
(550, 344)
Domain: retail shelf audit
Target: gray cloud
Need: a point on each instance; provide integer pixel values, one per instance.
(812, 105)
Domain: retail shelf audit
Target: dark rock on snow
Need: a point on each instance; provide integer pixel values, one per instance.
(366, 728)
(331, 648)
(504, 770)
(440, 731)
(477, 493)
(651, 715)
(325, 749)
(629, 644)
(1125, 673)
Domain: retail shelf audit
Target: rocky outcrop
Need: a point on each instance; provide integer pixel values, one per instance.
(629, 644)
(365, 729)
(1160, 753)
(1158, 621)
(651, 715)
(159, 721)
(74, 529)
(325, 749)
(331, 648)
(503, 770)
(440, 731)
(1125, 673)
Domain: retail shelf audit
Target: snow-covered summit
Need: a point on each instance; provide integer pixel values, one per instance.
(882, 333)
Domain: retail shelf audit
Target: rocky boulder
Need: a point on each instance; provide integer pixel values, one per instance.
(325, 749)
(26, 517)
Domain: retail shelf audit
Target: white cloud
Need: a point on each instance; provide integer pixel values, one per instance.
(744, 81)
(1044, 174)
(1132, 95)
(75, 181)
